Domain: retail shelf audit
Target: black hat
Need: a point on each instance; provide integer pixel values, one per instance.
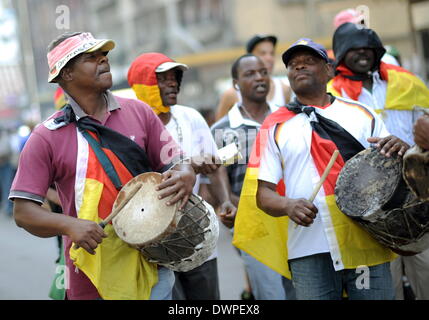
(351, 36)
(251, 44)
(305, 44)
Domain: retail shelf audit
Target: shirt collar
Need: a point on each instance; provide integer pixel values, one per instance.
(236, 119)
(112, 104)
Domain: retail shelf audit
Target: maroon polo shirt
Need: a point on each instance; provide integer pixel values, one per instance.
(50, 156)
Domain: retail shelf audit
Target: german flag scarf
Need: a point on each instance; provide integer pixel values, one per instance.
(106, 161)
(404, 89)
(255, 231)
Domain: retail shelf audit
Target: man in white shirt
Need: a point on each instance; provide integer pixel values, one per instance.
(264, 47)
(156, 80)
(241, 125)
(323, 254)
(392, 92)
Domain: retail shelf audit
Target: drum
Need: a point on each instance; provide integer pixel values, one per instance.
(180, 240)
(416, 172)
(370, 190)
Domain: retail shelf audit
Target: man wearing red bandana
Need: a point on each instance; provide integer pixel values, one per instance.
(156, 80)
(393, 92)
(90, 149)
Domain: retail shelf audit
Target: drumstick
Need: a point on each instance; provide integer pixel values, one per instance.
(115, 212)
(324, 176)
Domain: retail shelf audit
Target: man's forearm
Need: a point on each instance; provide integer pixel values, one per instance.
(269, 201)
(219, 186)
(39, 221)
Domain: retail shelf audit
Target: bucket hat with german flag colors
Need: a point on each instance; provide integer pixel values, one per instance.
(71, 48)
(142, 78)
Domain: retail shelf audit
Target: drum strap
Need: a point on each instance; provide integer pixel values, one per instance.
(132, 156)
(348, 145)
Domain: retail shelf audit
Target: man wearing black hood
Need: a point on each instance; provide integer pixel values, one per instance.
(393, 92)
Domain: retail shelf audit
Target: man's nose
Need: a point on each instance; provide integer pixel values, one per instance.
(103, 58)
(300, 65)
(259, 75)
(172, 82)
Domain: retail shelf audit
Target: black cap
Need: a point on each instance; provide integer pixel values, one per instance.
(305, 44)
(251, 44)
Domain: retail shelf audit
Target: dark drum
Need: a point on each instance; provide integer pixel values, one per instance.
(371, 190)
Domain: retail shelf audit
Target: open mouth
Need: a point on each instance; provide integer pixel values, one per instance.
(261, 88)
(362, 61)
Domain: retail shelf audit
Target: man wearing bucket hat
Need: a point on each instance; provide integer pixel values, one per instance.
(90, 149)
(289, 156)
(156, 80)
(393, 92)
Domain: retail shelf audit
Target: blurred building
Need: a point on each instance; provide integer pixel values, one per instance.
(209, 35)
(11, 81)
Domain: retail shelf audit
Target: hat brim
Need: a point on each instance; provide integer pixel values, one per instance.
(170, 65)
(257, 40)
(103, 45)
(301, 47)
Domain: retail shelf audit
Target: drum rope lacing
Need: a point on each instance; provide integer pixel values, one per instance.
(185, 237)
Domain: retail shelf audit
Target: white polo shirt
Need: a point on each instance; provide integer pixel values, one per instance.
(288, 157)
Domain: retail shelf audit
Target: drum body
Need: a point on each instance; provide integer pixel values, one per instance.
(180, 240)
(371, 190)
(416, 172)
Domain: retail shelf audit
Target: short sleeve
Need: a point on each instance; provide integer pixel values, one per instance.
(380, 129)
(270, 168)
(35, 170)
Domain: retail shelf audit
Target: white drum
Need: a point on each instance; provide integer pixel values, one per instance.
(180, 240)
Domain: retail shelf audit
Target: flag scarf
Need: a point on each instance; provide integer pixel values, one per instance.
(265, 237)
(116, 270)
(404, 89)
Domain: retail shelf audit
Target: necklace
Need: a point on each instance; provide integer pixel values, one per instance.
(242, 106)
(178, 129)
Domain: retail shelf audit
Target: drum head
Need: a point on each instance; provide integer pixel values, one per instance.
(144, 218)
(369, 183)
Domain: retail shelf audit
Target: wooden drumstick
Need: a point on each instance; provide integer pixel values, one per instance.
(324, 176)
(115, 212)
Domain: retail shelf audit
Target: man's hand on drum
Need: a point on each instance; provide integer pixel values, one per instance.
(177, 183)
(227, 214)
(205, 164)
(85, 234)
(301, 211)
(421, 132)
(389, 145)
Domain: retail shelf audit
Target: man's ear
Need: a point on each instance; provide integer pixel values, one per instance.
(235, 85)
(330, 70)
(66, 74)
